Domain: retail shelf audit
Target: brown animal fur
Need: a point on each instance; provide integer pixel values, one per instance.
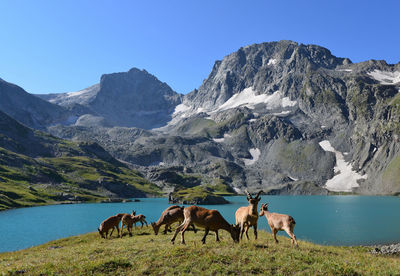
(110, 223)
(247, 216)
(208, 219)
(169, 216)
(279, 222)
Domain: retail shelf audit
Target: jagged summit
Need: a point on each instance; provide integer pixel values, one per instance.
(279, 116)
(132, 99)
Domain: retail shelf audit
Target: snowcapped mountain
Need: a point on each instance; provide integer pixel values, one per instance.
(284, 117)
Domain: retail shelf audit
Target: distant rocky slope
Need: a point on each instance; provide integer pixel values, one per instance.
(37, 168)
(284, 117)
(29, 109)
(129, 99)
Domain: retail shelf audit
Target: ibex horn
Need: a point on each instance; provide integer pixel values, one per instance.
(259, 193)
(248, 194)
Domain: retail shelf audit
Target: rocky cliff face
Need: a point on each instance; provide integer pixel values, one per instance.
(281, 116)
(129, 99)
(29, 109)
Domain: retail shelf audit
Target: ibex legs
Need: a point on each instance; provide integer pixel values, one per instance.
(291, 235)
(205, 235)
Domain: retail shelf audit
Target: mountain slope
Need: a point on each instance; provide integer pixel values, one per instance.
(36, 168)
(29, 109)
(280, 116)
(130, 99)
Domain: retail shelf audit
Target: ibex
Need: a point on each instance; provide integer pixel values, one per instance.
(128, 220)
(248, 216)
(122, 214)
(278, 222)
(208, 219)
(110, 223)
(169, 216)
(139, 218)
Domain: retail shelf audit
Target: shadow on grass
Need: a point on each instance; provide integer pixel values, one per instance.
(143, 234)
(261, 246)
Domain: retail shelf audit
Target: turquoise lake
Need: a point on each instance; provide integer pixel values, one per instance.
(331, 220)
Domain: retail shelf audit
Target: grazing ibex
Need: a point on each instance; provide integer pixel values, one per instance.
(122, 214)
(128, 220)
(169, 216)
(247, 216)
(208, 219)
(279, 222)
(110, 223)
(139, 218)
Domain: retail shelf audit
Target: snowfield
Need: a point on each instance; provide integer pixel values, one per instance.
(220, 140)
(272, 61)
(248, 98)
(255, 154)
(180, 108)
(385, 77)
(345, 178)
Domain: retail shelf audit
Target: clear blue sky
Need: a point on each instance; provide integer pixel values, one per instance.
(59, 46)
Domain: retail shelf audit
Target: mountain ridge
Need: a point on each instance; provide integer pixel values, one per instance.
(258, 121)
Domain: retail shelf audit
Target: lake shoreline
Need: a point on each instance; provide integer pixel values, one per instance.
(323, 220)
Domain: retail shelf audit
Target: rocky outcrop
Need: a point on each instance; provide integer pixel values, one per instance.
(128, 99)
(278, 116)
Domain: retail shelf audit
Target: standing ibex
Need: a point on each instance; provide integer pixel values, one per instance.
(169, 216)
(208, 219)
(248, 216)
(110, 223)
(278, 222)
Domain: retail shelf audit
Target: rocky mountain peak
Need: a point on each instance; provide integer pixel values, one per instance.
(131, 99)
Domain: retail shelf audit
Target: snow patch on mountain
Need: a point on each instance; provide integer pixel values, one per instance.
(272, 61)
(220, 140)
(255, 154)
(250, 99)
(79, 97)
(385, 77)
(345, 178)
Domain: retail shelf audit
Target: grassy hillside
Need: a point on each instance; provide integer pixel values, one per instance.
(26, 181)
(37, 168)
(145, 253)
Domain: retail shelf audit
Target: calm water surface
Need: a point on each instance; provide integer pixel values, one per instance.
(333, 220)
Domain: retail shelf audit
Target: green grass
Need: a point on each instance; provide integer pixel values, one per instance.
(26, 181)
(202, 192)
(145, 254)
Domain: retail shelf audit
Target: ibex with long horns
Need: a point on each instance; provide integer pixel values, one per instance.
(248, 216)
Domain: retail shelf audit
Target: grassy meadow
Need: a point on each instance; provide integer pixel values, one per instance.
(147, 254)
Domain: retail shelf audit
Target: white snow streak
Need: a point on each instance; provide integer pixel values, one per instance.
(385, 77)
(344, 70)
(272, 61)
(345, 178)
(220, 140)
(255, 154)
(249, 99)
(180, 108)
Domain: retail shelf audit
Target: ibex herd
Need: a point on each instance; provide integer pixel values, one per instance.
(210, 220)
